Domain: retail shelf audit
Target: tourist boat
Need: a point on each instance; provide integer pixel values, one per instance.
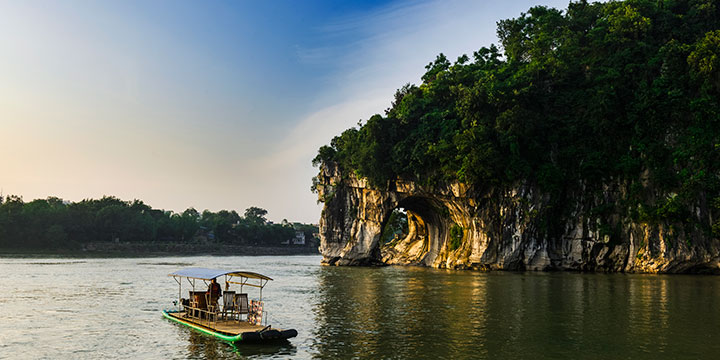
(231, 317)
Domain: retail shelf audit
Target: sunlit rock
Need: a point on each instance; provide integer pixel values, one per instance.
(496, 229)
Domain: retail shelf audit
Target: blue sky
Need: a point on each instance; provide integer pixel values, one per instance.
(213, 105)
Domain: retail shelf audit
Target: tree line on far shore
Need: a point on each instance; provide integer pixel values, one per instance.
(56, 224)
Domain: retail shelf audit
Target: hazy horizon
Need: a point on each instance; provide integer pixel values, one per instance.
(218, 105)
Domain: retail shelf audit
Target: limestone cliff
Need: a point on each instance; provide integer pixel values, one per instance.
(503, 229)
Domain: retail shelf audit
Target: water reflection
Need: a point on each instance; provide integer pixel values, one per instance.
(110, 308)
(416, 312)
(398, 312)
(202, 346)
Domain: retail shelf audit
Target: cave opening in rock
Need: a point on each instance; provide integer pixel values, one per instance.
(414, 231)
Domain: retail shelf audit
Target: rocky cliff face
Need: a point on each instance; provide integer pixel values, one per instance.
(503, 229)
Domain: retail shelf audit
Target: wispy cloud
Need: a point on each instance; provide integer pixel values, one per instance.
(199, 105)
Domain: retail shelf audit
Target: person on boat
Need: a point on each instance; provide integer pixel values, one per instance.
(215, 291)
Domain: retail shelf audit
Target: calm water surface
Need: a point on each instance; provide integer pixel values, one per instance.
(74, 308)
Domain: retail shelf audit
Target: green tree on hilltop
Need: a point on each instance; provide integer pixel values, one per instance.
(601, 92)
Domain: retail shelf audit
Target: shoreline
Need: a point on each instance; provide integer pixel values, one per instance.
(99, 250)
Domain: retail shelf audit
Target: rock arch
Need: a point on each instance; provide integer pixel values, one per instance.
(499, 228)
(355, 215)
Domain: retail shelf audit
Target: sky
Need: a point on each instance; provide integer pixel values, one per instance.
(214, 104)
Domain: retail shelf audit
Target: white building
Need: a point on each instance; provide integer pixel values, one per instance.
(299, 238)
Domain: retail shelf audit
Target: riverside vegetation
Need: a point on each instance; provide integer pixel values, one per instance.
(53, 224)
(604, 112)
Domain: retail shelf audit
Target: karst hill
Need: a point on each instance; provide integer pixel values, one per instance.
(588, 139)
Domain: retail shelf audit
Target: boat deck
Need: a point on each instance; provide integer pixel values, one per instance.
(228, 326)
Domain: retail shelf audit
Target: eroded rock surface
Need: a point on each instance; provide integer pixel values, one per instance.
(502, 229)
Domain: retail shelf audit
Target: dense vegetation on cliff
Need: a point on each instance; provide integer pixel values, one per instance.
(55, 224)
(624, 91)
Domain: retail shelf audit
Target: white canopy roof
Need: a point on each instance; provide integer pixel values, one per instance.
(207, 274)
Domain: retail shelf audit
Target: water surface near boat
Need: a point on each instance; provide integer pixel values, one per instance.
(89, 308)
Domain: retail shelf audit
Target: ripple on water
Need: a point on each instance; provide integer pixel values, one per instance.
(111, 308)
(54, 263)
(161, 263)
(58, 311)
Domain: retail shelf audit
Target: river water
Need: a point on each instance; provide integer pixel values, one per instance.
(73, 308)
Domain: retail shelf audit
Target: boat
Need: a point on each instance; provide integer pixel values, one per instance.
(231, 317)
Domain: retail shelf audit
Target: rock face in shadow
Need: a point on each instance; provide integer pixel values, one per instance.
(500, 229)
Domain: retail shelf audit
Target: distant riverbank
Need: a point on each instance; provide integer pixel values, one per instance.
(100, 249)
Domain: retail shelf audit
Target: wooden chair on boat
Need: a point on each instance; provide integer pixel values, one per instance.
(242, 305)
(194, 303)
(211, 307)
(229, 305)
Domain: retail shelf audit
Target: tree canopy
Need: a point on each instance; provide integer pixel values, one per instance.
(56, 224)
(599, 92)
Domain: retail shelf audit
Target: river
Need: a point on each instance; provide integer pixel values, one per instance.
(78, 308)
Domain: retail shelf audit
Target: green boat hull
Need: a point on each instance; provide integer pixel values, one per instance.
(265, 335)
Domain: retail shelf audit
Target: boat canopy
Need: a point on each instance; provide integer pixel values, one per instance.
(208, 274)
(249, 275)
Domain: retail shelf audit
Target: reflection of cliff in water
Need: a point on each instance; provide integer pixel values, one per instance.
(411, 312)
(369, 312)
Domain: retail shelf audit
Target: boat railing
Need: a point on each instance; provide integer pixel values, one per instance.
(255, 310)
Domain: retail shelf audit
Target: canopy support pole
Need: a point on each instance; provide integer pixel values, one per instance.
(179, 291)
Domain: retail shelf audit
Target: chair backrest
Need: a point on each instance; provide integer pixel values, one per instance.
(195, 295)
(229, 299)
(242, 303)
(198, 297)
